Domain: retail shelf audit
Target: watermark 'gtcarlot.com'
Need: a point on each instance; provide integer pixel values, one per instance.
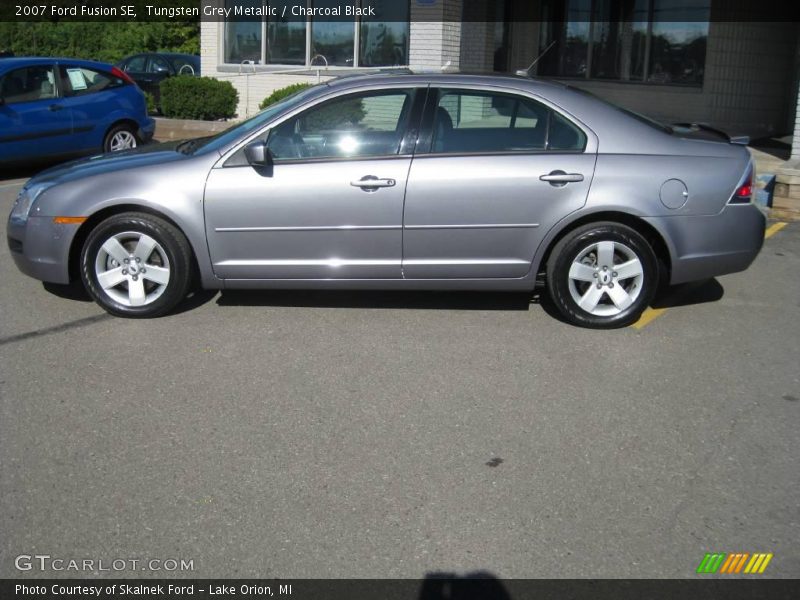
(45, 562)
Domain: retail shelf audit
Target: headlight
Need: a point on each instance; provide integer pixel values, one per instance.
(24, 202)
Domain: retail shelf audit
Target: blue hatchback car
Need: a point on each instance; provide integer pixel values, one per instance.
(53, 108)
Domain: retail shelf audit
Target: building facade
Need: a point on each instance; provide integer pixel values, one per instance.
(673, 61)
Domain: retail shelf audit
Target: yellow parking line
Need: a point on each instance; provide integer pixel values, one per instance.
(773, 229)
(649, 315)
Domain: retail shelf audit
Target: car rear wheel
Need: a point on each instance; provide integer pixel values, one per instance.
(120, 137)
(136, 265)
(602, 275)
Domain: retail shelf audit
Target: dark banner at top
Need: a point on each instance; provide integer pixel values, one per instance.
(399, 10)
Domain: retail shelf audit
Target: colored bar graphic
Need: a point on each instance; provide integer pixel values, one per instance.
(724, 563)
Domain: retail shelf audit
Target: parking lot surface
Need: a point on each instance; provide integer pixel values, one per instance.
(329, 434)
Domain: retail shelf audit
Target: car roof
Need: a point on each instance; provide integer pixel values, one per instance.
(25, 61)
(437, 77)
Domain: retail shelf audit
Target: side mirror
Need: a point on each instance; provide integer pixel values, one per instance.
(258, 155)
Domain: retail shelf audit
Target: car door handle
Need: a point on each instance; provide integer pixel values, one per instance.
(55, 107)
(559, 178)
(371, 183)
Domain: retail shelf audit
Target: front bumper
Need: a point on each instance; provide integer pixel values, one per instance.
(147, 130)
(40, 248)
(709, 246)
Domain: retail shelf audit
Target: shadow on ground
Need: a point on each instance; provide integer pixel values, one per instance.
(679, 295)
(378, 299)
(686, 294)
(480, 585)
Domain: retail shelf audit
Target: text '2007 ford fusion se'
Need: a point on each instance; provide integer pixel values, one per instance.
(403, 181)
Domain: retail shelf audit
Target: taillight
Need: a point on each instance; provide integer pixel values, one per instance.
(122, 75)
(744, 193)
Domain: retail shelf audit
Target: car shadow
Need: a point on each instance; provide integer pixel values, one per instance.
(419, 300)
(76, 292)
(478, 585)
(686, 294)
(70, 291)
(678, 295)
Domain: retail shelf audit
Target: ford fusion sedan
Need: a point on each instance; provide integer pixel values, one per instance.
(407, 181)
(52, 108)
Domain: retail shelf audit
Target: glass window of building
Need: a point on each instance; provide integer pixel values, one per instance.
(652, 41)
(291, 38)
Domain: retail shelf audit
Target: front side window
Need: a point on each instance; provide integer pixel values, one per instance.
(28, 84)
(136, 64)
(652, 41)
(483, 122)
(359, 125)
(78, 81)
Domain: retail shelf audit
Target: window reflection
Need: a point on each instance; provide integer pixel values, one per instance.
(332, 39)
(385, 43)
(382, 42)
(286, 37)
(242, 38)
(620, 39)
(657, 41)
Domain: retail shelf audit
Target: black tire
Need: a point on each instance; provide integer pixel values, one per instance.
(572, 246)
(122, 128)
(173, 249)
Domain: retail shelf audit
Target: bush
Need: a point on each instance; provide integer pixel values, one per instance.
(282, 93)
(203, 98)
(152, 108)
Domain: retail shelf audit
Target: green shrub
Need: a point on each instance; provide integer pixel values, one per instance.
(282, 93)
(151, 103)
(203, 98)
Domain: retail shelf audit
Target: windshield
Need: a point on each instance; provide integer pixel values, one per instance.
(222, 139)
(639, 117)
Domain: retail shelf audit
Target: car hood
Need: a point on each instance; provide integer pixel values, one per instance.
(101, 164)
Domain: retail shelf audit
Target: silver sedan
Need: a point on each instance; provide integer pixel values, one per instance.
(404, 182)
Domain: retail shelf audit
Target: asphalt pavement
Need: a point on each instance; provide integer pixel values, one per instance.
(328, 434)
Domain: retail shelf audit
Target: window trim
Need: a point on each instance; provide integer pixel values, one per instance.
(307, 64)
(425, 140)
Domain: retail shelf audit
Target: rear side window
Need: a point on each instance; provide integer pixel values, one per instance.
(28, 84)
(157, 65)
(79, 81)
(485, 122)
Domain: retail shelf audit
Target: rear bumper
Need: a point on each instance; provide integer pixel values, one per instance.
(709, 246)
(40, 248)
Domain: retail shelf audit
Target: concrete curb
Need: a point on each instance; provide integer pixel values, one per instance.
(179, 129)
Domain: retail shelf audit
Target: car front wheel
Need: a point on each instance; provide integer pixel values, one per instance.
(136, 265)
(602, 275)
(120, 137)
